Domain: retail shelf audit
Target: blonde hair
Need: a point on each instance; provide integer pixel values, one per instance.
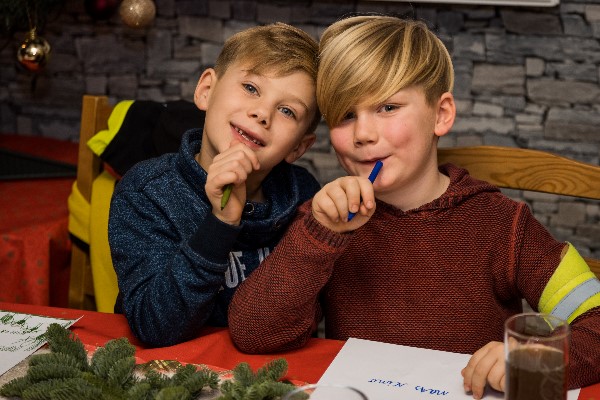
(279, 49)
(369, 58)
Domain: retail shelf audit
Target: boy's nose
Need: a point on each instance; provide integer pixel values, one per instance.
(261, 116)
(364, 131)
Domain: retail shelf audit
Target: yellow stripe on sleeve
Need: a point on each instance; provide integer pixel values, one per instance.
(572, 290)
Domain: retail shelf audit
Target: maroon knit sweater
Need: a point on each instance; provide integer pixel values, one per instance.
(443, 276)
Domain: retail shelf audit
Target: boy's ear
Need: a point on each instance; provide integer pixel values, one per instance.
(307, 140)
(445, 115)
(203, 88)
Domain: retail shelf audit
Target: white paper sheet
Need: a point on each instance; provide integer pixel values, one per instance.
(21, 335)
(385, 371)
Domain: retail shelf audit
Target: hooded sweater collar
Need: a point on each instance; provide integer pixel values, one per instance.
(462, 187)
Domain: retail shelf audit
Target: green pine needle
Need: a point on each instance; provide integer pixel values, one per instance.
(272, 371)
(74, 389)
(141, 391)
(105, 357)
(45, 372)
(264, 384)
(62, 340)
(174, 393)
(15, 387)
(120, 375)
(65, 373)
(243, 374)
(57, 358)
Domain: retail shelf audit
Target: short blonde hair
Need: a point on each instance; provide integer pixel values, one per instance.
(279, 49)
(369, 58)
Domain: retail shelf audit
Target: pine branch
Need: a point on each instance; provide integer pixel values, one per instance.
(62, 340)
(198, 381)
(15, 387)
(247, 385)
(105, 357)
(243, 374)
(45, 372)
(75, 389)
(57, 358)
(141, 391)
(156, 379)
(273, 371)
(66, 374)
(120, 375)
(183, 373)
(174, 393)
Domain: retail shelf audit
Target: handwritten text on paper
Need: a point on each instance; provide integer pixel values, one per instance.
(21, 335)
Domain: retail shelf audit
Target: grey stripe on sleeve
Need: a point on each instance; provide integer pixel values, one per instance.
(578, 295)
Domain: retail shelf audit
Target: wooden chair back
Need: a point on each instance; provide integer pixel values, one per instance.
(526, 169)
(95, 111)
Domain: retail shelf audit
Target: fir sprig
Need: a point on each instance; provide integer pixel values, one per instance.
(65, 373)
(264, 384)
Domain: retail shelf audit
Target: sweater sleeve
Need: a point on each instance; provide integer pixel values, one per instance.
(539, 257)
(584, 355)
(168, 280)
(277, 307)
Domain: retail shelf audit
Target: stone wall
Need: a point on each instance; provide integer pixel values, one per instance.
(526, 77)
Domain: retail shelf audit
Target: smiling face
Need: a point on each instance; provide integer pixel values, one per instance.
(270, 114)
(402, 132)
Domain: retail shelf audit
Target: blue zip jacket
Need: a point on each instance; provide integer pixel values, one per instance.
(177, 264)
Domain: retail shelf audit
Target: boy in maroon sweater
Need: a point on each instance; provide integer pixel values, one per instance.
(433, 258)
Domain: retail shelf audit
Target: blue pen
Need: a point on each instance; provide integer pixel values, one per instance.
(372, 177)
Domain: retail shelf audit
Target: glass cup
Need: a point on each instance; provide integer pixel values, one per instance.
(536, 348)
(325, 392)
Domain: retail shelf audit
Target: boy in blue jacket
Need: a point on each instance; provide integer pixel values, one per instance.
(178, 250)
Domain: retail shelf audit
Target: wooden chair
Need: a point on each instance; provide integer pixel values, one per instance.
(526, 169)
(95, 111)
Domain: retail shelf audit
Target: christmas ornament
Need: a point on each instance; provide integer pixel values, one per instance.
(101, 9)
(137, 13)
(34, 52)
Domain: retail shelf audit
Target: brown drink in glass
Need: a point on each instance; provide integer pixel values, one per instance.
(536, 349)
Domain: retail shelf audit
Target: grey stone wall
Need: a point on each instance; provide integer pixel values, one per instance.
(526, 77)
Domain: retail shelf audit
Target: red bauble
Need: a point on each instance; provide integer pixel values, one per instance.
(101, 9)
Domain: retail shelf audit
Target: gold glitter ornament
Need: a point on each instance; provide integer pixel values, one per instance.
(34, 52)
(137, 13)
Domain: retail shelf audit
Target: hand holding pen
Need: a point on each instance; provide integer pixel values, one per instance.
(336, 204)
(226, 181)
(372, 177)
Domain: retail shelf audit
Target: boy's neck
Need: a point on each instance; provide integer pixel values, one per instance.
(256, 195)
(421, 192)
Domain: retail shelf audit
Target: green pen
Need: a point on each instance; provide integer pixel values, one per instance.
(226, 194)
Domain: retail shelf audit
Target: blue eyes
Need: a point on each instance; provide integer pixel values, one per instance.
(249, 88)
(288, 112)
(386, 108)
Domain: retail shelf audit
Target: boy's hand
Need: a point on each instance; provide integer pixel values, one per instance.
(231, 166)
(332, 204)
(485, 366)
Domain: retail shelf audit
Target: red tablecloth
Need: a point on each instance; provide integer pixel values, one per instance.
(214, 347)
(34, 242)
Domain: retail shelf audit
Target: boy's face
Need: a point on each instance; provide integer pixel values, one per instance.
(402, 132)
(268, 114)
